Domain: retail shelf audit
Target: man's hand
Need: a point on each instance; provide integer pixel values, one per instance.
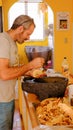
(37, 63)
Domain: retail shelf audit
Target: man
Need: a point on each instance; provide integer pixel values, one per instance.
(20, 31)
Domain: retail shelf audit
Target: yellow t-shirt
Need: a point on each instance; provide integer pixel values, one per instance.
(8, 49)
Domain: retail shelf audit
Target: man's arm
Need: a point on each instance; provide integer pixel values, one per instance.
(7, 72)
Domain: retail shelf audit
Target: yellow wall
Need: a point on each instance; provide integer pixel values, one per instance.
(6, 5)
(61, 48)
(0, 2)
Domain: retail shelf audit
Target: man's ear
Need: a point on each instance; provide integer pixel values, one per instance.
(20, 29)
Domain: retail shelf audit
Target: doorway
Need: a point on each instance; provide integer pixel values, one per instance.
(45, 31)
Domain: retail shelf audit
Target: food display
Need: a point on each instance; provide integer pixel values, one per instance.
(55, 112)
(52, 106)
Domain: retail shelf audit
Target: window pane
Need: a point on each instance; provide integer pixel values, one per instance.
(38, 17)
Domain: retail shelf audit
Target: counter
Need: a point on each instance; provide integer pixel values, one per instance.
(27, 111)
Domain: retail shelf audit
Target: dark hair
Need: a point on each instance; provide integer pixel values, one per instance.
(24, 20)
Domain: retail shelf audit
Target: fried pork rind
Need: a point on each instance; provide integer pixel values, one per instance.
(49, 112)
(38, 73)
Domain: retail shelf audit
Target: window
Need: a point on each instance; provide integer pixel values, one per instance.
(31, 9)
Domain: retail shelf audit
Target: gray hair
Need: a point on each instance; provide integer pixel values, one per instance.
(23, 20)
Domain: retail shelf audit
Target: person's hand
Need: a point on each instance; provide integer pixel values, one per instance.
(37, 63)
(36, 73)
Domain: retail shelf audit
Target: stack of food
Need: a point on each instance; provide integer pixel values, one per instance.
(54, 111)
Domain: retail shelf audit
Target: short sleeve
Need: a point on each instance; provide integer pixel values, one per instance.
(4, 48)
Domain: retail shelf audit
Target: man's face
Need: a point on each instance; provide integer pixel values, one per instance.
(25, 35)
